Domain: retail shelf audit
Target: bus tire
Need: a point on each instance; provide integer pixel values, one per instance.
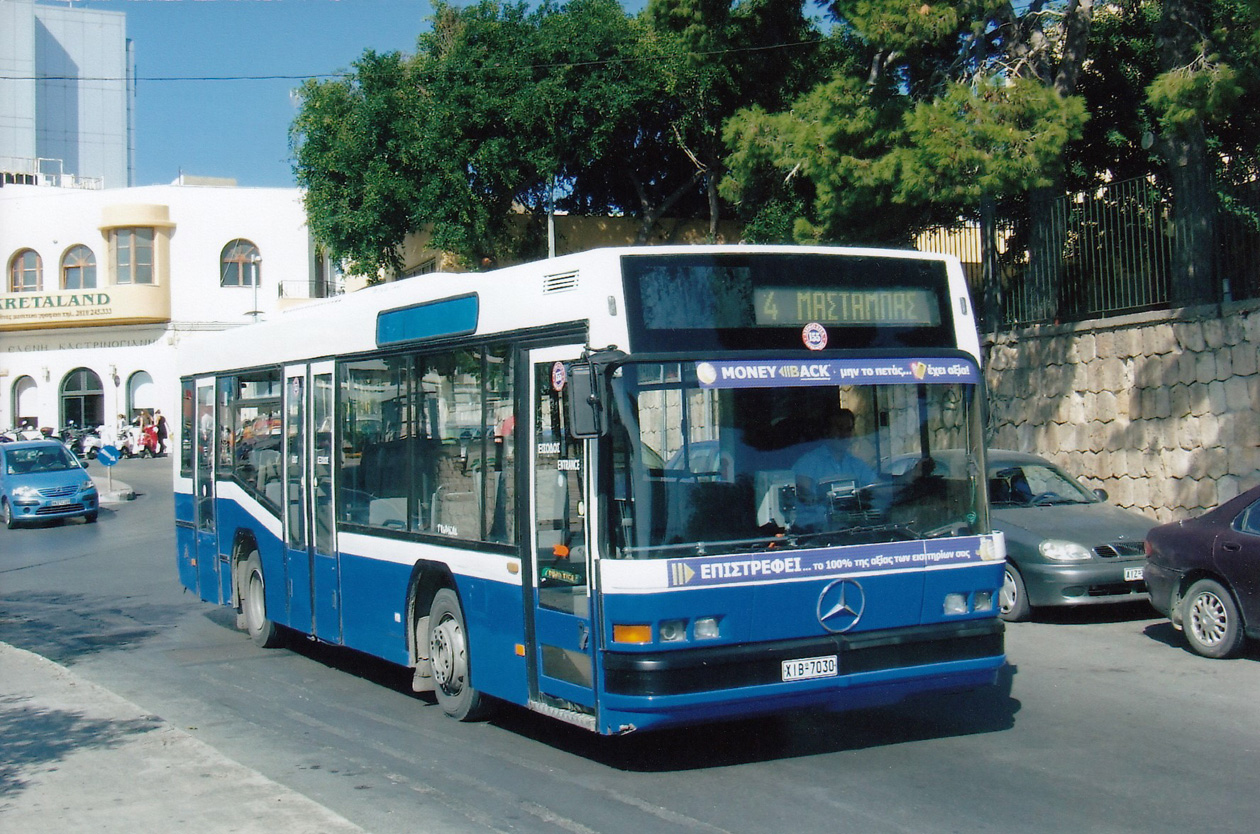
(448, 652)
(261, 630)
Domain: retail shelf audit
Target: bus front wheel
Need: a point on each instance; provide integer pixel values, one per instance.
(261, 630)
(448, 652)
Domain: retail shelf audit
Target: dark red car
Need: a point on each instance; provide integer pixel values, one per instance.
(1204, 574)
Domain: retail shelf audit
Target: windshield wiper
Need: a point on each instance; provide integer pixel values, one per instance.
(859, 535)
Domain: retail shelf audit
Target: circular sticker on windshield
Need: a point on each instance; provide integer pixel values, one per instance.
(559, 376)
(706, 374)
(814, 335)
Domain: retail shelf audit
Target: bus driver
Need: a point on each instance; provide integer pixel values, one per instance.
(829, 462)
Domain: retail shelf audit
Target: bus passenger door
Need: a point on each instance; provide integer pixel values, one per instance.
(325, 567)
(297, 550)
(562, 650)
(204, 453)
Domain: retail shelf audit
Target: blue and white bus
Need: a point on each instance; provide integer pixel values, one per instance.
(573, 485)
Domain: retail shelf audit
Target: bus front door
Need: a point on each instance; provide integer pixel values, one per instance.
(326, 564)
(297, 542)
(562, 650)
(207, 556)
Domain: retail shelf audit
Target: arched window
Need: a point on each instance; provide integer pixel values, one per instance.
(24, 271)
(141, 394)
(25, 401)
(82, 398)
(78, 269)
(240, 264)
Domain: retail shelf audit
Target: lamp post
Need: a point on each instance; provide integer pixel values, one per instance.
(255, 261)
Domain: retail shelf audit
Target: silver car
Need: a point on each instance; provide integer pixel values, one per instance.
(1065, 545)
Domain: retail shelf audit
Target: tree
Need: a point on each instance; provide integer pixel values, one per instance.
(499, 103)
(923, 117)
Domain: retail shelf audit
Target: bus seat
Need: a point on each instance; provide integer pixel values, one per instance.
(273, 492)
(388, 512)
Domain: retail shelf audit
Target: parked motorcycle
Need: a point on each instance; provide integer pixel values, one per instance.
(137, 442)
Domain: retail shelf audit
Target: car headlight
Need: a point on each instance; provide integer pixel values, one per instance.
(1058, 550)
(25, 493)
(87, 486)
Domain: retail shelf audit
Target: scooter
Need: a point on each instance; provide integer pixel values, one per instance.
(90, 442)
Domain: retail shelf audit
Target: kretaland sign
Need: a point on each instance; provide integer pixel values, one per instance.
(134, 304)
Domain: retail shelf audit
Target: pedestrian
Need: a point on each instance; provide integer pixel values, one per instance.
(161, 432)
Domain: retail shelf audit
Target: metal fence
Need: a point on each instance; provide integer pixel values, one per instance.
(1107, 252)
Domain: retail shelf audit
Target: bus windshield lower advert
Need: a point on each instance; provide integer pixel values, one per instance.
(746, 456)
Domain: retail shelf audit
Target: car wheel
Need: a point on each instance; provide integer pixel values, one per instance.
(90, 518)
(1210, 620)
(1013, 598)
(7, 512)
(448, 652)
(261, 630)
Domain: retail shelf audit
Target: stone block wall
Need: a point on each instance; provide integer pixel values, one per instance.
(1158, 409)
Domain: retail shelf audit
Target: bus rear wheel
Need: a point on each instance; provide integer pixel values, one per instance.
(448, 652)
(262, 631)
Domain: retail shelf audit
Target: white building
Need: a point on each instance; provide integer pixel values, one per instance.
(68, 98)
(103, 287)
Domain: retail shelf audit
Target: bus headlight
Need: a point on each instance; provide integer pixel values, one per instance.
(673, 631)
(955, 604)
(984, 601)
(1058, 550)
(707, 628)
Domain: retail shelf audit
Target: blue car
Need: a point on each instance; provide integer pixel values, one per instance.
(42, 479)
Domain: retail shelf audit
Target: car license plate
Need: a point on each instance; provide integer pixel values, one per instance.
(805, 668)
(1133, 574)
(59, 502)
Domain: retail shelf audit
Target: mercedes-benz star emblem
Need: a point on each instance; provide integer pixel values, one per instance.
(840, 605)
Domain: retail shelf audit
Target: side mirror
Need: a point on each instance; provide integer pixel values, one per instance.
(586, 407)
(1101, 493)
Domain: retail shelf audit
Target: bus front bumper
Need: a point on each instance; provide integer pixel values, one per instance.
(666, 688)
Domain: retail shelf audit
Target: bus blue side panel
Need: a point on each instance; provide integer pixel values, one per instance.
(185, 508)
(186, 554)
(496, 626)
(374, 606)
(297, 565)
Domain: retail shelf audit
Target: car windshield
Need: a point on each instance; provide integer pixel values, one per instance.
(43, 459)
(1035, 484)
(699, 469)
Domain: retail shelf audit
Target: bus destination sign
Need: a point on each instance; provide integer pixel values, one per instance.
(903, 306)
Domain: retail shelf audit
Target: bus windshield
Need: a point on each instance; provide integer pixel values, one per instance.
(722, 457)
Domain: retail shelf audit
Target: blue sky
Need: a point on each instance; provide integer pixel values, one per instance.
(239, 128)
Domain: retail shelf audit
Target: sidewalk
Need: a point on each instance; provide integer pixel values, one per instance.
(76, 757)
(112, 490)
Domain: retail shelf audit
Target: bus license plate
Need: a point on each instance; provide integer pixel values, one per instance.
(805, 668)
(1133, 574)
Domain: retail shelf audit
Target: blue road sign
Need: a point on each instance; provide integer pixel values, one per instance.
(108, 455)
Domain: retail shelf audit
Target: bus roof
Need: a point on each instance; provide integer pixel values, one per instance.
(582, 287)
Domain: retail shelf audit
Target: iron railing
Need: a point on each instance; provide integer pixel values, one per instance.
(1105, 253)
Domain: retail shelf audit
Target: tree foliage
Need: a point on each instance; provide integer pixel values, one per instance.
(885, 118)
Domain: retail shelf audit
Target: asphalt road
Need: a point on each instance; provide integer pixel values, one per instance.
(1105, 722)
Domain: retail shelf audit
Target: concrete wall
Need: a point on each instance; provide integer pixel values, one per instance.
(1159, 409)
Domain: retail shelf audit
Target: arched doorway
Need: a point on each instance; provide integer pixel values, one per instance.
(82, 398)
(141, 394)
(25, 401)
